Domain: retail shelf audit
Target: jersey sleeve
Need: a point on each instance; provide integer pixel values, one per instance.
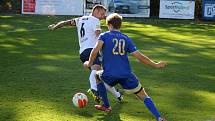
(101, 37)
(131, 47)
(96, 25)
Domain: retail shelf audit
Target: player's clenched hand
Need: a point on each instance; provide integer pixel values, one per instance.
(161, 64)
(86, 64)
(51, 27)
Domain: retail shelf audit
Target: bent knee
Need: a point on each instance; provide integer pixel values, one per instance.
(141, 93)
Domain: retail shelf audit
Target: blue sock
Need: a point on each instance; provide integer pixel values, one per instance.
(150, 105)
(103, 93)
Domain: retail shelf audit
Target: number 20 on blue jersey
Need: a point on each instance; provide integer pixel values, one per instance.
(119, 46)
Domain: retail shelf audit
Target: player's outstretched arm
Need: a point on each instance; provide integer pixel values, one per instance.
(62, 24)
(144, 59)
(93, 54)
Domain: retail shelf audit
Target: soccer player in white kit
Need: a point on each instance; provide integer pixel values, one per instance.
(88, 28)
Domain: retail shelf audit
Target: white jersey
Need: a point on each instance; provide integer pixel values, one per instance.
(86, 27)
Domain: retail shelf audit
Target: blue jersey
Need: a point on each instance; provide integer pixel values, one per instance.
(115, 48)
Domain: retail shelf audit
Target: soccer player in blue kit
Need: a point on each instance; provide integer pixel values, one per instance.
(114, 47)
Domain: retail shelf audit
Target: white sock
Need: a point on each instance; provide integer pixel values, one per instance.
(112, 90)
(93, 80)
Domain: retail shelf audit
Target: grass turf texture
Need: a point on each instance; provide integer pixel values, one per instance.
(40, 71)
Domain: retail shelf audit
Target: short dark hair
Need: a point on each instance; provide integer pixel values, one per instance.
(115, 20)
(99, 7)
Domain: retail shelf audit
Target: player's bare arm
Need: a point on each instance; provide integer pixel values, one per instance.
(144, 59)
(62, 24)
(93, 54)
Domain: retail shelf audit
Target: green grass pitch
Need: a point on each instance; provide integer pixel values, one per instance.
(40, 71)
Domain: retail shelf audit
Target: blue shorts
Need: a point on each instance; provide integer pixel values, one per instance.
(84, 56)
(130, 83)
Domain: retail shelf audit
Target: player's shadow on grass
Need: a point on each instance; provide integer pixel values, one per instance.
(113, 115)
(85, 113)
